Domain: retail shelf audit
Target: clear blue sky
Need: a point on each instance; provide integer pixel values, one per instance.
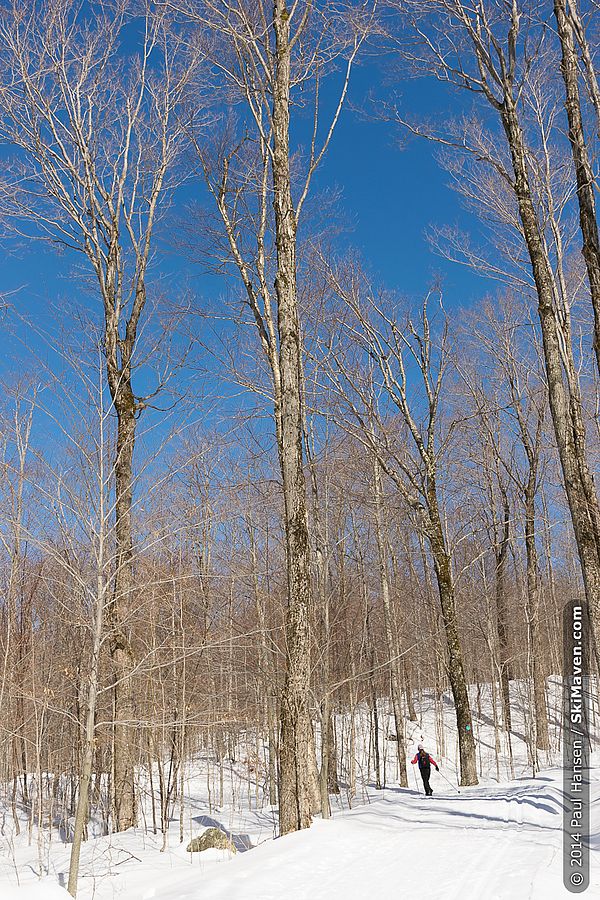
(394, 189)
(391, 191)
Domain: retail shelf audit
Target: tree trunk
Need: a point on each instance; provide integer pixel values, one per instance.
(583, 169)
(456, 673)
(406, 669)
(564, 399)
(325, 756)
(85, 774)
(375, 719)
(89, 744)
(502, 612)
(326, 726)
(120, 646)
(333, 785)
(273, 750)
(296, 734)
(390, 631)
(269, 673)
(537, 672)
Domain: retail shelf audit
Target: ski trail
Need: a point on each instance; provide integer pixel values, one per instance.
(494, 842)
(485, 844)
(499, 856)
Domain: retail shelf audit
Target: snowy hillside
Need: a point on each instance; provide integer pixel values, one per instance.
(500, 840)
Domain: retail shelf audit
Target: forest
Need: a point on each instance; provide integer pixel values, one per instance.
(259, 496)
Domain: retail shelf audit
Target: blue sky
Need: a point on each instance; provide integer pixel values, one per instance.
(391, 191)
(393, 188)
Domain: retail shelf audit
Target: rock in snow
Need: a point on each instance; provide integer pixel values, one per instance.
(212, 838)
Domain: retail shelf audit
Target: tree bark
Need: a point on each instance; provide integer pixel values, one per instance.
(118, 360)
(390, 631)
(565, 399)
(533, 596)
(406, 669)
(583, 169)
(269, 673)
(85, 774)
(89, 742)
(501, 610)
(295, 788)
(456, 673)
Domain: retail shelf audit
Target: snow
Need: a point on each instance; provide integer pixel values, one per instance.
(43, 890)
(482, 843)
(499, 840)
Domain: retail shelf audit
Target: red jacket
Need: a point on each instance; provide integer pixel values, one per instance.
(431, 759)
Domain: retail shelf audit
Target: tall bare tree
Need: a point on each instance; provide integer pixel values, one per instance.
(567, 23)
(95, 142)
(389, 620)
(494, 52)
(522, 399)
(266, 53)
(405, 436)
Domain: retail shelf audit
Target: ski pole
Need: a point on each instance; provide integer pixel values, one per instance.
(449, 782)
(416, 780)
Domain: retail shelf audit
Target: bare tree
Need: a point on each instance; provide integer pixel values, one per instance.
(389, 620)
(410, 450)
(15, 464)
(266, 53)
(500, 511)
(523, 402)
(100, 541)
(95, 144)
(491, 51)
(567, 22)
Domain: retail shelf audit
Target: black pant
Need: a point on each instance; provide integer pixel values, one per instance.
(425, 775)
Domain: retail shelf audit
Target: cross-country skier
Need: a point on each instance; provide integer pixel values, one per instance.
(425, 761)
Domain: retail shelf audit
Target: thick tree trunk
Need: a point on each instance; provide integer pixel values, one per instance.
(563, 389)
(295, 790)
(119, 644)
(456, 673)
(583, 169)
(587, 59)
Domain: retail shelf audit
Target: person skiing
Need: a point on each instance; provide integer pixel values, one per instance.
(425, 761)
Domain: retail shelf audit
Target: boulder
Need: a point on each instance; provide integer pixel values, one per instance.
(211, 838)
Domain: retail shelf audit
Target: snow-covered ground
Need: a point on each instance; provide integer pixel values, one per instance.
(502, 839)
